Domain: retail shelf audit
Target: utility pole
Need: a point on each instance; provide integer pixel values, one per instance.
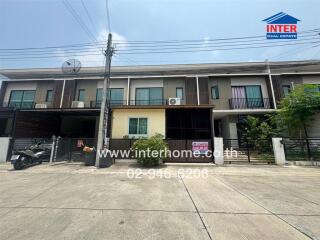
(103, 133)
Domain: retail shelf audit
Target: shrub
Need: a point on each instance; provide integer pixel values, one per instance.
(145, 147)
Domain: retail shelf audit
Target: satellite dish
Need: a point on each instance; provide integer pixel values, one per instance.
(71, 66)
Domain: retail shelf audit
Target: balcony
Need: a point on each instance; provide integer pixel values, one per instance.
(19, 105)
(250, 103)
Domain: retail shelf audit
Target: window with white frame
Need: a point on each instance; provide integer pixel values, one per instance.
(138, 126)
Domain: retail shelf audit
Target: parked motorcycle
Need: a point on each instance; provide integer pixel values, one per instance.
(33, 154)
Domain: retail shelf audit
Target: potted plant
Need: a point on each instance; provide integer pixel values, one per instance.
(89, 156)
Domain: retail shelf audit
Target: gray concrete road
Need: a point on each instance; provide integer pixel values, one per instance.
(234, 202)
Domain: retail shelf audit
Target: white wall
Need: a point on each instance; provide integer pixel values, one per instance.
(143, 84)
(18, 86)
(237, 81)
(311, 79)
(4, 147)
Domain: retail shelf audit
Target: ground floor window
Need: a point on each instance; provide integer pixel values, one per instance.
(138, 126)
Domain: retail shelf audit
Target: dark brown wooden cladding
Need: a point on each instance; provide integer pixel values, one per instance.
(32, 124)
(191, 91)
(203, 90)
(57, 91)
(269, 89)
(3, 92)
(69, 93)
(278, 82)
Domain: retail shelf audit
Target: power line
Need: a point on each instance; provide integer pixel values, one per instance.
(100, 47)
(102, 43)
(201, 46)
(78, 18)
(213, 49)
(89, 17)
(315, 30)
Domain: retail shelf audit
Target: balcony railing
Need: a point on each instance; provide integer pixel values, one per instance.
(19, 105)
(250, 103)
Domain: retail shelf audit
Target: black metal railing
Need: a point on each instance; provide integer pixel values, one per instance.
(248, 150)
(250, 103)
(19, 105)
(302, 149)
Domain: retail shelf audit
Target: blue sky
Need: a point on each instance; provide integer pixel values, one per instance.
(42, 23)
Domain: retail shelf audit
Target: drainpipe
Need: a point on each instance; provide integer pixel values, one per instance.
(197, 81)
(271, 85)
(64, 84)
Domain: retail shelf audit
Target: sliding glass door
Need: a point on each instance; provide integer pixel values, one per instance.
(246, 97)
(149, 96)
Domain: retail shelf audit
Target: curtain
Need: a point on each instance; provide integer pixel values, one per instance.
(142, 126)
(254, 96)
(133, 125)
(238, 97)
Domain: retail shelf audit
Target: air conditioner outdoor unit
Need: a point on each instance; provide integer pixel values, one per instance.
(41, 105)
(77, 104)
(174, 101)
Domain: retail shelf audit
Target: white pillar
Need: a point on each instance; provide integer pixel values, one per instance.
(128, 92)
(4, 148)
(198, 97)
(218, 150)
(62, 93)
(278, 150)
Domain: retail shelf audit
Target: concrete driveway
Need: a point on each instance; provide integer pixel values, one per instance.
(235, 202)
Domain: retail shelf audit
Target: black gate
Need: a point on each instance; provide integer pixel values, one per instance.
(256, 151)
(302, 149)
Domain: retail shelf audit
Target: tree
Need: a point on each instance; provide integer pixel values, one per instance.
(298, 109)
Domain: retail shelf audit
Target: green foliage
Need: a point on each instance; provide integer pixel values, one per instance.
(254, 130)
(298, 108)
(145, 147)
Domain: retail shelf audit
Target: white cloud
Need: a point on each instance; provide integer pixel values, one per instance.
(92, 56)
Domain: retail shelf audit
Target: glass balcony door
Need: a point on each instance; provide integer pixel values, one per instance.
(149, 96)
(247, 97)
(22, 98)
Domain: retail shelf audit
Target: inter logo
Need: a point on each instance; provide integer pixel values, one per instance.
(281, 26)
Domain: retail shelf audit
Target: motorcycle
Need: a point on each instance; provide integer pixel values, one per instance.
(33, 154)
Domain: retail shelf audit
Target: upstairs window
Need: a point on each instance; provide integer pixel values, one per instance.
(22, 98)
(115, 96)
(149, 96)
(179, 92)
(49, 96)
(81, 95)
(138, 126)
(214, 92)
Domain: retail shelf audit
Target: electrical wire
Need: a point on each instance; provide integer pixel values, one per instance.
(78, 18)
(89, 17)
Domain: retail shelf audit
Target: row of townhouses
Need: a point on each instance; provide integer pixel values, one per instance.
(196, 101)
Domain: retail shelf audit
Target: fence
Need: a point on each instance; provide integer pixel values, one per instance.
(302, 149)
(250, 151)
(177, 147)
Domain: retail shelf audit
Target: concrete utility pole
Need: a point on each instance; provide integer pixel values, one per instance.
(103, 134)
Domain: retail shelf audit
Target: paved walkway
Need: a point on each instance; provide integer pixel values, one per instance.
(125, 202)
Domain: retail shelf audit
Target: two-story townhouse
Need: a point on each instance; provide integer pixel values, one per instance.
(209, 99)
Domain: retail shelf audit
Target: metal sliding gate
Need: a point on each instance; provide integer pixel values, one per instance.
(255, 151)
(302, 149)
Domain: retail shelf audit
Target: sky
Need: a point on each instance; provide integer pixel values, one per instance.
(47, 23)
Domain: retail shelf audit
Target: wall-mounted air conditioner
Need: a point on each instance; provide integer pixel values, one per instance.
(77, 104)
(40, 105)
(174, 101)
